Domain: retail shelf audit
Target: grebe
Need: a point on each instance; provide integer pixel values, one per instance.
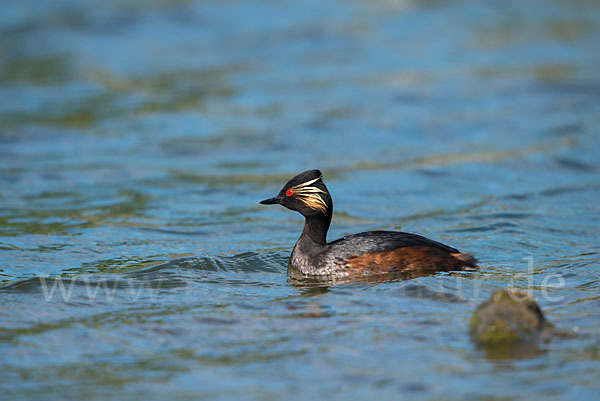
(367, 253)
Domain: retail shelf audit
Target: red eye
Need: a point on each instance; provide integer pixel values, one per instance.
(289, 192)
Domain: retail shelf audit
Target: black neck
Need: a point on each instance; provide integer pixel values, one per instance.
(315, 228)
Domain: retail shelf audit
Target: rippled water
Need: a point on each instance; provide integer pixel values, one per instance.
(136, 138)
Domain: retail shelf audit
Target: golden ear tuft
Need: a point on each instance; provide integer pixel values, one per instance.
(309, 195)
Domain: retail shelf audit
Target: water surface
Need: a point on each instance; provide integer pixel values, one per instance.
(136, 139)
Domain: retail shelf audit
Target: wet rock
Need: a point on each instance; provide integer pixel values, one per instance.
(509, 317)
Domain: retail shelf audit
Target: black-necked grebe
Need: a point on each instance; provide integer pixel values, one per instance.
(373, 252)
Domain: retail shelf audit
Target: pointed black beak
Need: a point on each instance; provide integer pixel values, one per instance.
(271, 201)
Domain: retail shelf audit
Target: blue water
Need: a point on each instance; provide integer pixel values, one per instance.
(137, 137)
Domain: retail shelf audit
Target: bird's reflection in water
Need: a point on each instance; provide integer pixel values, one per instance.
(319, 285)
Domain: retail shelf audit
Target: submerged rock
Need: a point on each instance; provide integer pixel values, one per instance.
(509, 317)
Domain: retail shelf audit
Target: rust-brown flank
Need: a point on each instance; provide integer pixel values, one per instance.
(408, 258)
